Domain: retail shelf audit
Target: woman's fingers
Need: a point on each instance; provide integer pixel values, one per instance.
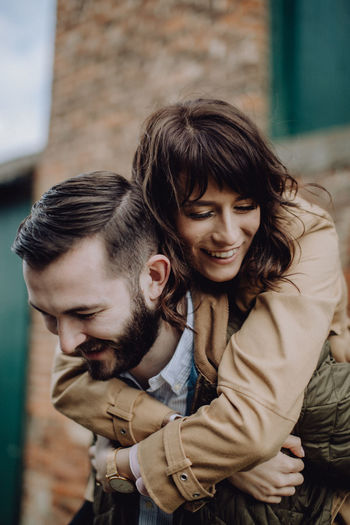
(295, 480)
(271, 499)
(292, 464)
(272, 480)
(293, 443)
(92, 456)
(287, 484)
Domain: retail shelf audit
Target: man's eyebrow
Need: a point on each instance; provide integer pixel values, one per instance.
(37, 308)
(79, 308)
(83, 308)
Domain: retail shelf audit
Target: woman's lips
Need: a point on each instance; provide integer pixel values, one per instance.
(227, 254)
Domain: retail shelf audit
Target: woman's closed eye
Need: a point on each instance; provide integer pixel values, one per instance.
(242, 208)
(205, 214)
(200, 214)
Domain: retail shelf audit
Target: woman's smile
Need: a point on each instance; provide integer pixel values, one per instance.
(224, 255)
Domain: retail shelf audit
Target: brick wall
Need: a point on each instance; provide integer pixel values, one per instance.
(114, 63)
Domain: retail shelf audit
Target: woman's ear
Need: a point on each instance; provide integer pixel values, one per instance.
(155, 276)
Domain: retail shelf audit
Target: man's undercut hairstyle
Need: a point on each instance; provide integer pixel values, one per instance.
(104, 204)
(100, 203)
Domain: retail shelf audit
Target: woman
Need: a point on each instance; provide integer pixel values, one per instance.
(225, 202)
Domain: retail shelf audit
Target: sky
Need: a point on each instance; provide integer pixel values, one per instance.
(27, 31)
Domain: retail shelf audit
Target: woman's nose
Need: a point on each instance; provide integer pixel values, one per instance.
(226, 230)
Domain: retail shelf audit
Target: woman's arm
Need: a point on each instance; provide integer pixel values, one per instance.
(267, 482)
(262, 377)
(109, 408)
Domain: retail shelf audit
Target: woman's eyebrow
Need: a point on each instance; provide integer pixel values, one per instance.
(201, 202)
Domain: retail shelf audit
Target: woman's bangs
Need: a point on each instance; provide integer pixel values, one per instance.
(217, 157)
(194, 181)
(236, 171)
(193, 173)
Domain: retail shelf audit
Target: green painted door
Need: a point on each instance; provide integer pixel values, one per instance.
(310, 59)
(13, 357)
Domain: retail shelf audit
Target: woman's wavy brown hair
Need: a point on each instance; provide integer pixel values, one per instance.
(186, 144)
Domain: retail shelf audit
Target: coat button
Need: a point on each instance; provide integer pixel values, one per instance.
(123, 431)
(195, 495)
(183, 477)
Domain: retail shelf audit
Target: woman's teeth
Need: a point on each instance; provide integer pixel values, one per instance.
(223, 255)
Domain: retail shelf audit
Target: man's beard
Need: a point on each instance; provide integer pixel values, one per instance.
(127, 352)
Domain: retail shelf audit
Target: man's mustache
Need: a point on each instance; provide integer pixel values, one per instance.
(95, 345)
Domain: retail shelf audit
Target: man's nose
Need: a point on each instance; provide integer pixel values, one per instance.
(226, 230)
(70, 335)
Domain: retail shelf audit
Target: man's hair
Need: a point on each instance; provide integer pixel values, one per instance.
(185, 145)
(99, 203)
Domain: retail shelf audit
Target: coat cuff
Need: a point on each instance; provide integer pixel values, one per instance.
(179, 467)
(128, 414)
(169, 480)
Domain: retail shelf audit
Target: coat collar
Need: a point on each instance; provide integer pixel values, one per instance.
(210, 325)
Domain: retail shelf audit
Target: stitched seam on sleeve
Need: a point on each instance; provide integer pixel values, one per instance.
(119, 412)
(259, 402)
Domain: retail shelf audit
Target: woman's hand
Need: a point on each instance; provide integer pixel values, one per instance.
(99, 453)
(275, 478)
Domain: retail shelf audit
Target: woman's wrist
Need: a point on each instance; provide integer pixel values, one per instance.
(135, 468)
(123, 465)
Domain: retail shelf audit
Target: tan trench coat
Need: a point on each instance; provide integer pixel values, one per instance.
(262, 374)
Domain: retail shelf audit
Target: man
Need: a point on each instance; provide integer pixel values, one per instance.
(98, 287)
(93, 269)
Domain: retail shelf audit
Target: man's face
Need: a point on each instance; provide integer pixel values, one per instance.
(92, 311)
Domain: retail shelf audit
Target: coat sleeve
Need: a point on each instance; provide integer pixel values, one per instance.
(110, 408)
(261, 379)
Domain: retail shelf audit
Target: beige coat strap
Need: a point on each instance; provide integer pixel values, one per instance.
(179, 467)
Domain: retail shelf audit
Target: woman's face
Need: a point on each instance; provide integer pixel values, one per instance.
(218, 230)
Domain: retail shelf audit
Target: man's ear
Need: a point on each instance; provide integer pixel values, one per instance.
(155, 276)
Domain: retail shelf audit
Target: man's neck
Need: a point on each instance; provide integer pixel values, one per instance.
(159, 355)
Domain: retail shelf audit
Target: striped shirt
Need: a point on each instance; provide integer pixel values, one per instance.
(171, 387)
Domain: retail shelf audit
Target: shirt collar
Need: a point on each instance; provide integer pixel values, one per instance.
(178, 369)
